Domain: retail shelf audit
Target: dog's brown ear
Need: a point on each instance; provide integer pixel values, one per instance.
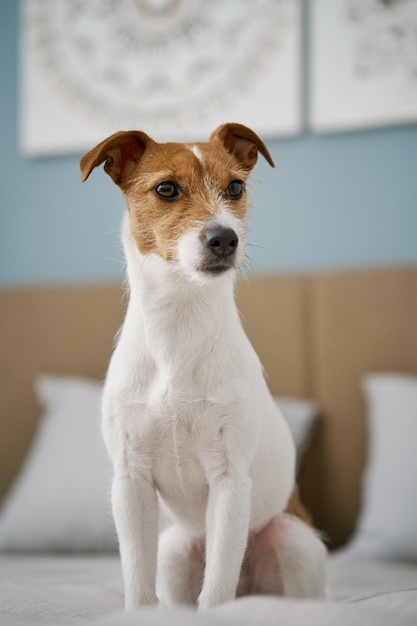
(243, 143)
(120, 154)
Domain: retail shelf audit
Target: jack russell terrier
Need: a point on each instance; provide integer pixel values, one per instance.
(187, 415)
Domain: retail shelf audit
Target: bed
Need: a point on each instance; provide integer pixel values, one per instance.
(340, 354)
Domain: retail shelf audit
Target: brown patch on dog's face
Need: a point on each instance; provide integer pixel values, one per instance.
(201, 182)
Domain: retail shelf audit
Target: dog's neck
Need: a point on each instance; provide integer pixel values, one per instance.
(177, 316)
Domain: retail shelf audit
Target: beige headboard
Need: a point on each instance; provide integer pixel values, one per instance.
(317, 335)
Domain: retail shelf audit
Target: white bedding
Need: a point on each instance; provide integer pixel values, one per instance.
(87, 590)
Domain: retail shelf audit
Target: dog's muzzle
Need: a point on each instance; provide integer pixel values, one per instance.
(221, 244)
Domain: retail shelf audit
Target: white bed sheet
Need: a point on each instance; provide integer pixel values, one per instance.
(87, 590)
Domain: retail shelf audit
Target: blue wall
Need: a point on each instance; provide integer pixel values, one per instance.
(341, 200)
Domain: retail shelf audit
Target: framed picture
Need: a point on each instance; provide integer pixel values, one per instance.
(173, 68)
(363, 63)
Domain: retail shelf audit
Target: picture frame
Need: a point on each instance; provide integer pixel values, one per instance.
(173, 68)
(363, 63)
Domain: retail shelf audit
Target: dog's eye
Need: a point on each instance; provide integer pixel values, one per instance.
(167, 190)
(235, 190)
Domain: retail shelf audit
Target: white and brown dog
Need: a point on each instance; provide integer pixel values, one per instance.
(187, 415)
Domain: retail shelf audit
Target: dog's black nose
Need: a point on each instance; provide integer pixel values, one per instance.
(221, 241)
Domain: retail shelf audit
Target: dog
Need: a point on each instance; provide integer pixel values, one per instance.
(187, 416)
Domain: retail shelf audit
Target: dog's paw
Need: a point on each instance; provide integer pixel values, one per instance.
(209, 600)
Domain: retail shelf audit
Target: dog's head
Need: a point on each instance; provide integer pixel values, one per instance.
(186, 202)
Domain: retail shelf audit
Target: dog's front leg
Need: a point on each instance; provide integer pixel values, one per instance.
(135, 510)
(227, 528)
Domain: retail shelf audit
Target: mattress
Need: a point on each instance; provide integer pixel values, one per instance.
(88, 590)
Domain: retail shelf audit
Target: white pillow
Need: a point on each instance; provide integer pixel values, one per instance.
(301, 416)
(388, 522)
(61, 500)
